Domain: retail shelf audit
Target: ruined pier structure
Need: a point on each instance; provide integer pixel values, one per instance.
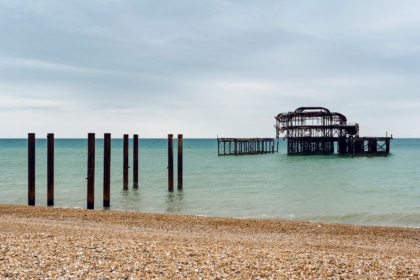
(246, 146)
(315, 130)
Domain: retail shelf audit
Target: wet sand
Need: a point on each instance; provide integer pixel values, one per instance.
(54, 243)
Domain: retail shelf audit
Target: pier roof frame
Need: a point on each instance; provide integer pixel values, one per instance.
(314, 122)
(309, 112)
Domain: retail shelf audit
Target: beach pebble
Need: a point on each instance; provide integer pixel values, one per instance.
(51, 243)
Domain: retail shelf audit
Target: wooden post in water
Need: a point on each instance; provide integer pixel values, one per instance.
(125, 163)
(31, 169)
(50, 170)
(180, 140)
(170, 163)
(107, 170)
(135, 161)
(91, 171)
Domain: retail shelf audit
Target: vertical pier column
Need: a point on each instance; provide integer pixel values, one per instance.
(91, 171)
(135, 161)
(372, 145)
(31, 169)
(180, 163)
(170, 163)
(125, 163)
(107, 170)
(50, 170)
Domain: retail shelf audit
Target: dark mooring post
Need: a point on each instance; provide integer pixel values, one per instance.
(91, 171)
(170, 163)
(107, 169)
(125, 163)
(180, 140)
(31, 169)
(135, 161)
(50, 170)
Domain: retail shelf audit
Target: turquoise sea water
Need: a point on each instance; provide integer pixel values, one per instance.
(335, 189)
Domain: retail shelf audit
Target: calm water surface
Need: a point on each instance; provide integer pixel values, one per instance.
(338, 189)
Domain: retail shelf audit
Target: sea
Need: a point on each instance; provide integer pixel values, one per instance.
(379, 191)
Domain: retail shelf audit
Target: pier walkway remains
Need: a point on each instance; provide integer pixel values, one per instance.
(246, 146)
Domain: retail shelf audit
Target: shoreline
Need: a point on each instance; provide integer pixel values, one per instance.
(48, 242)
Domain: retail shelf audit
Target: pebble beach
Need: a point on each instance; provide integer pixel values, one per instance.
(57, 243)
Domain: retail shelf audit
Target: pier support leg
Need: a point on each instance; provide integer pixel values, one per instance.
(180, 163)
(135, 161)
(91, 171)
(170, 163)
(31, 169)
(125, 163)
(50, 170)
(107, 170)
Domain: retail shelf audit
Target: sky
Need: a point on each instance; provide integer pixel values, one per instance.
(205, 69)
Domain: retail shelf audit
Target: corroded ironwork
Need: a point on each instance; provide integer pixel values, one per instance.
(315, 130)
(246, 146)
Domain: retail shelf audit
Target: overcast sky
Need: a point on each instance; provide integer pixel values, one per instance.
(206, 68)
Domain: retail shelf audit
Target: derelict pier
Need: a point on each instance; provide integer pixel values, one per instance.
(315, 130)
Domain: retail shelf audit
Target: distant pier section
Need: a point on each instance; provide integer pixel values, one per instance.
(317, 130)
(246, 146)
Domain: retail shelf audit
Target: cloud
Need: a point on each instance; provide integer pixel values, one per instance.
(207, 67)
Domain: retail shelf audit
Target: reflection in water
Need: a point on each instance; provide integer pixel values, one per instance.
(175, 202)
(130, 198)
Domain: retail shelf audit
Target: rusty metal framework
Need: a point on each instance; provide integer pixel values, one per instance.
(246, 146)
(314, 131)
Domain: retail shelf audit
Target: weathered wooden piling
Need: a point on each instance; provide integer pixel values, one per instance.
(135, 161)
(31, 169)
(50, 170)
(107, 170)
(91, 171)
(180, 159)
(125, 163)
(170, 163)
